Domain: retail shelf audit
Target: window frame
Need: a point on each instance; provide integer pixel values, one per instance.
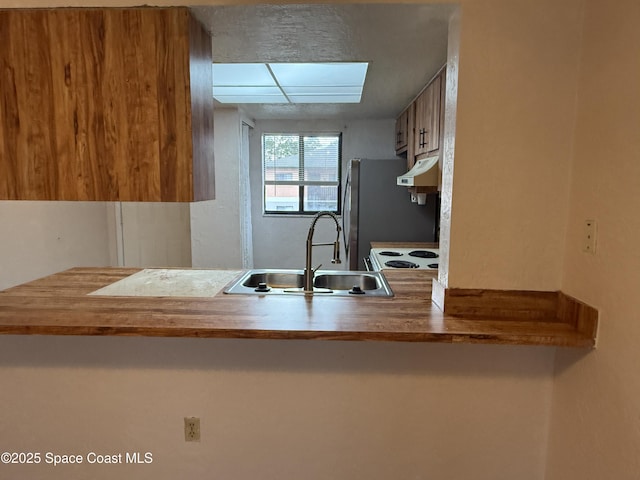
(301, 183)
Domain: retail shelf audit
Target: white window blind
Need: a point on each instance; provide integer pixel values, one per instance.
(301, 173)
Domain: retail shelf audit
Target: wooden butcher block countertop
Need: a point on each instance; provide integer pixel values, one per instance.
(60, 304)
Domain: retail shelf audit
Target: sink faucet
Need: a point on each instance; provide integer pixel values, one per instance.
(308, 270)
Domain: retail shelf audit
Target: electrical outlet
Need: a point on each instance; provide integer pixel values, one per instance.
(589, 236)
(191, 429)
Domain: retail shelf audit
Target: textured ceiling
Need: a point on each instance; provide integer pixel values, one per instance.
(405, 44)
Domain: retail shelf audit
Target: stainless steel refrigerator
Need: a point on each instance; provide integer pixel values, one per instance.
(376, 209)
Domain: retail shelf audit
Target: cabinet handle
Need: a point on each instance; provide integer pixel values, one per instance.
(422, 142)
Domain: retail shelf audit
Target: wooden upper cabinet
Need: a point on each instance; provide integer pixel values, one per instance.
(402, 130)
(422, 122)
(428, 108)
(105, 104)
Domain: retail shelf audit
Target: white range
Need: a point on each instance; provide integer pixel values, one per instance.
(413, 258)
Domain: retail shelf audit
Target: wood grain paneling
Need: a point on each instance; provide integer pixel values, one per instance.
(507, 304)
(574, 312)
(201, 112)
(519, 305)
(96, 104)
(59, 305)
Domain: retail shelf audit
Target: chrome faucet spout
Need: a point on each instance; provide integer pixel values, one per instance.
(308, 270)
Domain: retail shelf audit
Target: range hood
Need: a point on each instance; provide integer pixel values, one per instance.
(423, 174)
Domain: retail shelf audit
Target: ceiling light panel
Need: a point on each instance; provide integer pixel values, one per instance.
(289, 82)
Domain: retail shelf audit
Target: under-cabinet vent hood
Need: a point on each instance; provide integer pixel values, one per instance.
(423, 174)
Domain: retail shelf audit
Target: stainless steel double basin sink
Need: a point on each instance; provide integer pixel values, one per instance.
(327, 282)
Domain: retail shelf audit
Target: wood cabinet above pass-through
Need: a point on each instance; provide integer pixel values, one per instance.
(109, 104)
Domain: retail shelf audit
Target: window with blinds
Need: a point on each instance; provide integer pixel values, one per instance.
(301, 173)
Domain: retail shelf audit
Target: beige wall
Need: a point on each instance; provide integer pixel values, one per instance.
(215, 224)
(276, 410)
(41, 238)
(526, 176)
(518, 64)
(155, 234)
(596, 412)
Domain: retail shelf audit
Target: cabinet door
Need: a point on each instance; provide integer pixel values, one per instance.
(428, 119)
(422, 122)
(402, 132)
(105, 104)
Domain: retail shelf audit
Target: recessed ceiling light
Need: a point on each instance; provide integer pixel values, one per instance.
(337, 82)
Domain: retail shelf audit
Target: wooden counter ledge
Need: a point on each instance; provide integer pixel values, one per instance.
(60, 305)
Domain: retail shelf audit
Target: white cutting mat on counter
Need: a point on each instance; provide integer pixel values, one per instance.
(163, 282)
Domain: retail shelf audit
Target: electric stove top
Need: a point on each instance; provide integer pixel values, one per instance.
(413, 258)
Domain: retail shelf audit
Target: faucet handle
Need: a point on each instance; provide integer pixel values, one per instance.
(314, 270)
